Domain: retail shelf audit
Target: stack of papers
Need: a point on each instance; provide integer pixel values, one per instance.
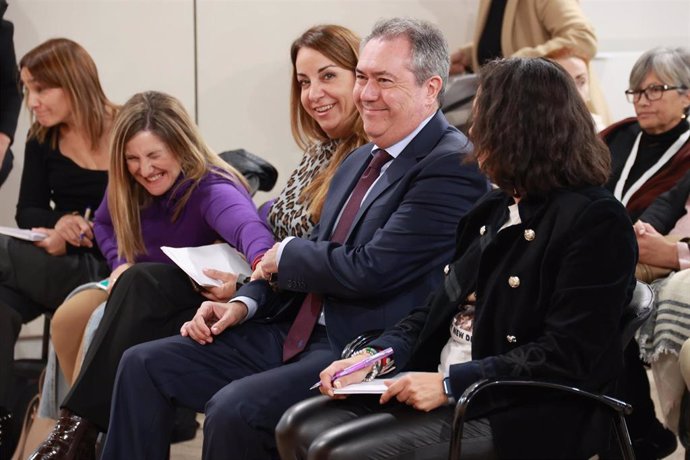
(22, 234)
(217, 256)
(375, 387)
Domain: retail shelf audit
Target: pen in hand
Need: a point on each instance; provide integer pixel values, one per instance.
(87, 218)
(358, 366)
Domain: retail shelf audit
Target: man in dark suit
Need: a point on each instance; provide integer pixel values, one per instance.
(385, 232)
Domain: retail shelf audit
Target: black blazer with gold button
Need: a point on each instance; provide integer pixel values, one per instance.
(550, 293)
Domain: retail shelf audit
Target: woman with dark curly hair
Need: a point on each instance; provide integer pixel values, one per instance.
(544, 266)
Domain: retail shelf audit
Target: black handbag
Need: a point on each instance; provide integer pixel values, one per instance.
(260, 174)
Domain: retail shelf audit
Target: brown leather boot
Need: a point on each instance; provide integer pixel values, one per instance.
(73, 438)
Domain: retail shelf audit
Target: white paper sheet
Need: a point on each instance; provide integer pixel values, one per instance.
(217, 256)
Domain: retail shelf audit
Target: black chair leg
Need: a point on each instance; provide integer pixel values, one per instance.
(623, 438)
(46, 337)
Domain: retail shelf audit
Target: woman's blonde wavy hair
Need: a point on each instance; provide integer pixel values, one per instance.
(164, 116)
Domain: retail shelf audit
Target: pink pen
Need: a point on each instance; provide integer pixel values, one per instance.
(358, 366)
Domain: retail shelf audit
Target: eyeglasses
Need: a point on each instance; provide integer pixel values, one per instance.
(652, 92)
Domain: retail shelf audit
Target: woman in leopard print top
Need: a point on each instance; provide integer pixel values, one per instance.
(324, 121)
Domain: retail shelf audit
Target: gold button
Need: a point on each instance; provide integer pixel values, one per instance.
(482, 230)
(446, 269)
(514, 281)
(529, 234)
(511, 338)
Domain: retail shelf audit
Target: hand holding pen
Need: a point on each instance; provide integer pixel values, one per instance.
(87, 218)
(332, 375)
(76, 229)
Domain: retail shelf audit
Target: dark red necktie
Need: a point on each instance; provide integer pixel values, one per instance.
(304, 322)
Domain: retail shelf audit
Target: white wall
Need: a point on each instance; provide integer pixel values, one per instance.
(243, 62)
(136, 44)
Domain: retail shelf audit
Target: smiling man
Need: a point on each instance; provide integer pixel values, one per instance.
(385, 232)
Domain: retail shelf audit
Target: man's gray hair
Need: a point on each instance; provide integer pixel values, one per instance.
(430, 54)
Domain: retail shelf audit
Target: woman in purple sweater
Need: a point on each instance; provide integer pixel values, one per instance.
(166, 188)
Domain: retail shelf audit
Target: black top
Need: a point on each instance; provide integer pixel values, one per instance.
(489, 46)
(669, 207)
(550, 292)
(652, 147)
(53, 185)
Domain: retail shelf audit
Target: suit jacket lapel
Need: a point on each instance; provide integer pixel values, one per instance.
(342, 191)
(422, 144)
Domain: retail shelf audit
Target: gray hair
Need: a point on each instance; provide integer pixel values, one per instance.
(671, 65)
(430, 54)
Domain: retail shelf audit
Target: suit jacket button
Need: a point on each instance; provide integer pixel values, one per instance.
(511, 338)
(482, 229)
(529, 234)
(446, 269)
(514, 281)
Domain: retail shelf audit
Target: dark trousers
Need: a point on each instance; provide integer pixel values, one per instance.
(148, 302)
(359, 427)
(33, 282)
(10, 325)
(636, 391)
(239, 381)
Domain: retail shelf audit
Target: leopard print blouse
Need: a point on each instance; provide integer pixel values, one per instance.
(287, 216)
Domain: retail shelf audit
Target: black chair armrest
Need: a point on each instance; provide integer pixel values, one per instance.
(619, 408)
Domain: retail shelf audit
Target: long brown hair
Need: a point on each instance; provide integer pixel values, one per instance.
(341, 45)
(532, 132)
(63, 63)
(164, 116)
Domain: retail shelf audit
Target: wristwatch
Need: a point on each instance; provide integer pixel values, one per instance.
(448, 391)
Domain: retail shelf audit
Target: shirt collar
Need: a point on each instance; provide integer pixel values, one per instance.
(397, 148)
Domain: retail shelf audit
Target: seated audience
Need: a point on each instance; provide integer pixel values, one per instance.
(385, 231)
(650, 154)
(166, 188)
(65, 174)
(543, 268)
(326, 124)
(298, 207)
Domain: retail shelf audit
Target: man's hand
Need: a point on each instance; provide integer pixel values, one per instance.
(327, 374)
(75, 230)
(268, 265)
(421, 390)
(53, 244)
(225, 291)
(211, 319)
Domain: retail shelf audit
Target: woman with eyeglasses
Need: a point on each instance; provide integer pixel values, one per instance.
(650, 154)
